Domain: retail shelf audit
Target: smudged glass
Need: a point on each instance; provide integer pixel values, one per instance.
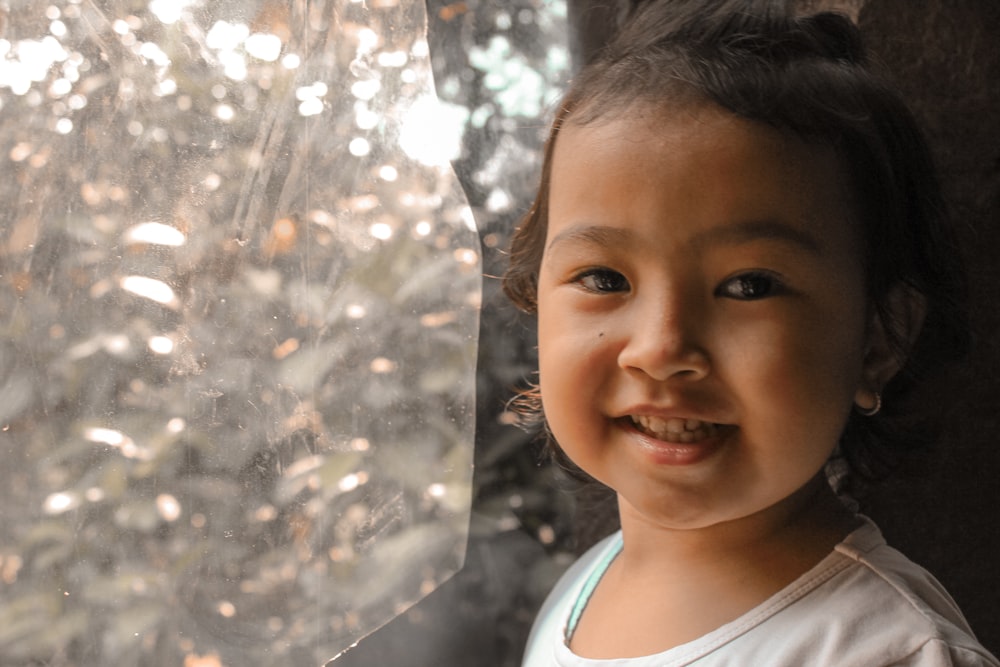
(239, 300)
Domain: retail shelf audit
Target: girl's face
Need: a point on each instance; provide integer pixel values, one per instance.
(702, 322)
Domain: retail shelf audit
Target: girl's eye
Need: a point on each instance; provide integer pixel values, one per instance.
(603, 280)
(751, 286)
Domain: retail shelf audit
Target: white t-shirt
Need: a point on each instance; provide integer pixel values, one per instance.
(864, 605)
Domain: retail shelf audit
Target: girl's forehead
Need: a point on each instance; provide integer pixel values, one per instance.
(702, 162)
(696, 135)
(676, 126)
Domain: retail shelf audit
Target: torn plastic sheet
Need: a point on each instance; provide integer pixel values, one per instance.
(239, 287)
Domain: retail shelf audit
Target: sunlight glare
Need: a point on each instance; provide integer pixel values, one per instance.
(155, 233)
(432, 131)
(150, 288)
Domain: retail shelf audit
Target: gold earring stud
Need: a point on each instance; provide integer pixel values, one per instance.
(872, 411)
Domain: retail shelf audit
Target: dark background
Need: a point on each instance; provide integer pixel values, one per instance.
(945, 516)
(942, 511)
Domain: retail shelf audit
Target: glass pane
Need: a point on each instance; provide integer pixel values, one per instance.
(239, 298)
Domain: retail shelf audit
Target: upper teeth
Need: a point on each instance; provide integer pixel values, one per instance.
(674, 426)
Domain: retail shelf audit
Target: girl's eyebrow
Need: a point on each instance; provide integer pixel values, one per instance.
(602, 235)
(727, 235)
(757, 230)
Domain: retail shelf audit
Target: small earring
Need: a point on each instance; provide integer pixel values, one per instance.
(872, 411)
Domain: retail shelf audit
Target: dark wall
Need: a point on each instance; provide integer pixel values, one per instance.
(945, 57)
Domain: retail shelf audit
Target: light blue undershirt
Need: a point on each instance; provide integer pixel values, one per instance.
(588, 587)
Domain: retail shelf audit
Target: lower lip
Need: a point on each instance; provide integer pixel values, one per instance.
(677, 453)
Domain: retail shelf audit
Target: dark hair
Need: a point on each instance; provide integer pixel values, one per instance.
(810, 76)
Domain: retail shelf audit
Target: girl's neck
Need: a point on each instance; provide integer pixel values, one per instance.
(802, 528)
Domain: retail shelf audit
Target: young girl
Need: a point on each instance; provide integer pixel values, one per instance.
(741, 270)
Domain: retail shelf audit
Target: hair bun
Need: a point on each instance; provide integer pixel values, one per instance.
(759, 29)
(837, 35)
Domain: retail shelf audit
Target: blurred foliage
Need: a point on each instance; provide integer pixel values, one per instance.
(507, 62)
(240, 292)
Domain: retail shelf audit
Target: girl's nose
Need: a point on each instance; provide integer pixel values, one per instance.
(663, 343)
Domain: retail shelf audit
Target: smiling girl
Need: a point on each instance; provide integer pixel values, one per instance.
(737, 257)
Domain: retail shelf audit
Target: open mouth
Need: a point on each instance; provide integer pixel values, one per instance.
(674, 429)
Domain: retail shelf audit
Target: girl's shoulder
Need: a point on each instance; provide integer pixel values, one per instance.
(878, 607)
(901, 582)
(568, 595)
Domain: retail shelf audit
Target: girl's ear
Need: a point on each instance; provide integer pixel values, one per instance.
(891, 336)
